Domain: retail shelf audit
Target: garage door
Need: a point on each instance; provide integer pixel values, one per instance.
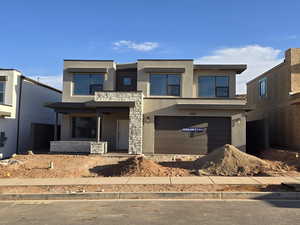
(191, 134)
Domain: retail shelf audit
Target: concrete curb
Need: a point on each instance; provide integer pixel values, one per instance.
(156, 195)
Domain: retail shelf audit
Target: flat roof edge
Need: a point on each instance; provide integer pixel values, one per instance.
(239, 68)
(165, 60)
(90, 60)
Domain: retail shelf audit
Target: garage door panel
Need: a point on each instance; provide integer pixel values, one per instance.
(170, 139)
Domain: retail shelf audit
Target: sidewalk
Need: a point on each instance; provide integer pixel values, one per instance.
(147, 180)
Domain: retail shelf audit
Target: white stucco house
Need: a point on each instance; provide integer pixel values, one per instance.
(22, 104)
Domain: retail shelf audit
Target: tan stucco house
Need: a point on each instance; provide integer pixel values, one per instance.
(152, 106)
(22, 108)
(275, 98)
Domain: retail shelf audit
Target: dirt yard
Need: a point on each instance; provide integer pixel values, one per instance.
(283, 163)
(38, 166)
(287, 161)
(141, 188)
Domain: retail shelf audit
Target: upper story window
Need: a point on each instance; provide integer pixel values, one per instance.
(165, 84)
(87, 84)
(2, 91)
(127, 81)
(263, 87)
(213, 86)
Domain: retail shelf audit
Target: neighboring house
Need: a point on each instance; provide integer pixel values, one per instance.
(275, 96)
(149, 106)
(22, 103)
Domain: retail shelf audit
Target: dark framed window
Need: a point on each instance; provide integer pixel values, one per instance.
(2, 92)
(263, 87)
(84, 127)
(165, 84)
(213, 86)
(87, 84)
(127, 81)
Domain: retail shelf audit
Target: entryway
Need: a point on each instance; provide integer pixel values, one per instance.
(122, 134)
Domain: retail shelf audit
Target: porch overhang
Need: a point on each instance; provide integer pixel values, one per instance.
(214, 107)
(91, 106)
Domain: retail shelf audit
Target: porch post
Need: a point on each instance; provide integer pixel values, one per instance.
(55, 127)
(98, 127)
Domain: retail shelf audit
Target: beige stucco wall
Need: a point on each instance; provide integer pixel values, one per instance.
(277, 108)
(293, 59)
(230, 74)
(166, 107)
(109, 81)
(278, 88)
(186, 78)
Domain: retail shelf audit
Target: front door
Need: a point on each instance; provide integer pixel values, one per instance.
(122, 134)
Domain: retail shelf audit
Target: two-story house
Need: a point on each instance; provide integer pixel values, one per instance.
(275, 98)
(22, 103)
(150, 106)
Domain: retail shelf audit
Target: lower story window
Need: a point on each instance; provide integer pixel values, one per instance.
(2, 87)
(84, 127)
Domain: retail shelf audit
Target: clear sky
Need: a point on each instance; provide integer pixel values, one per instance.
(36, 35)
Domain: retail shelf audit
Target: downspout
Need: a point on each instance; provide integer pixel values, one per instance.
(19, 113)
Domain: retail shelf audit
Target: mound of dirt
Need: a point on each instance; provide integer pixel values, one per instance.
(230, 161)
(140, 167)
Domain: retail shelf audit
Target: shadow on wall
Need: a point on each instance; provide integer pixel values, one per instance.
(257, 137)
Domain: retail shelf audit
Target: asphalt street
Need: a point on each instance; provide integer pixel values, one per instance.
(143, 212)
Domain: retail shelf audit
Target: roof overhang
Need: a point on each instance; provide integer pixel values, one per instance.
(238, 68)
(163, 70)
(86, 70)
(91, 107)
(126, 66)
(214, 107)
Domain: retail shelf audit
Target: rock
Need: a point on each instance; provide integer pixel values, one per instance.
(7, 162)
(30, 153)
(202, 173)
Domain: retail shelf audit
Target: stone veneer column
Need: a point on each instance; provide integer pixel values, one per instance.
(135, 142)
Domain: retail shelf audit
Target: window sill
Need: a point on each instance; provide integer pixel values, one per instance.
(163, 96)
